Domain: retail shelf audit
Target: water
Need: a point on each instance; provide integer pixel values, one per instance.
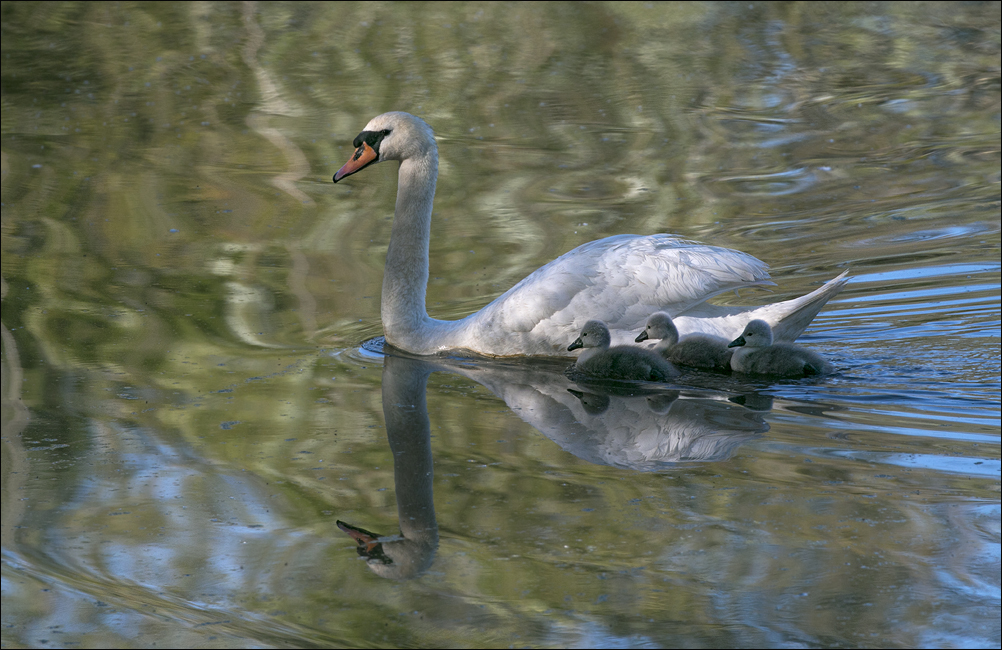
(194, 394)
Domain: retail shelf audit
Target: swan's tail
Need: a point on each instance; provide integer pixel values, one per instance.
(788, 319)
(799, 312)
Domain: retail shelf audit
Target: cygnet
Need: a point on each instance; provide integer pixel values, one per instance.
(758, 355)
(619, 362)
(701, 351)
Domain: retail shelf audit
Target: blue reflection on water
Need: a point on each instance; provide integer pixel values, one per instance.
(954, 465)
(926, 272)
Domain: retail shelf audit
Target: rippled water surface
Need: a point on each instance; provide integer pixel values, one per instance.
(194, 395)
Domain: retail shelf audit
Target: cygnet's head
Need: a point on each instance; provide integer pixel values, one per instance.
(593, 404)
(661, 403)
(594, 335)
(390, 136)
(659, 328)
(757, 334)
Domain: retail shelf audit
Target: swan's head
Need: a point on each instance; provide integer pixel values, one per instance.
(757, 334)
(594, 335)
(394, 557)
(659, 327)
(390, 136)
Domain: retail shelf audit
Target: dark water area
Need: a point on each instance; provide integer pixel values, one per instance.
(195, 391)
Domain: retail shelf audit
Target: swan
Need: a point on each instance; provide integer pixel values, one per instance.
(758, 355)
(621, 279)
(620, 362)
(696, 350)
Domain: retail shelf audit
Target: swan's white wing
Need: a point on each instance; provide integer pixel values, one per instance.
(621, 280)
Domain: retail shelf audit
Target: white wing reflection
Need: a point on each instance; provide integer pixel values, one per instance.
(636, 426)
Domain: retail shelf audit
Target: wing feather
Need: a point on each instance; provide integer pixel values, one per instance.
(621, 280)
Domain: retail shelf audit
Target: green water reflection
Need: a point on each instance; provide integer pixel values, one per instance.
(187, 410)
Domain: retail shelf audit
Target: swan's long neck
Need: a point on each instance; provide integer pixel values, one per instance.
(405, 319)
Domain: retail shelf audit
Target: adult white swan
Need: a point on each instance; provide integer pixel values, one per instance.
(621, 280)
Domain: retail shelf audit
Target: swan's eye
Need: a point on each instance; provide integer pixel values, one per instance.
(371, 138)
(386, 132)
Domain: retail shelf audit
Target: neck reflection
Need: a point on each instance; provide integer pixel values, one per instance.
(408, 430)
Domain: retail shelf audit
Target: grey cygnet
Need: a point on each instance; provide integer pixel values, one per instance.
(758, 355)
(701, 351)
(619, 362)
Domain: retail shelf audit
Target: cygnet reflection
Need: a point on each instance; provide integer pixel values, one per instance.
(652, 432)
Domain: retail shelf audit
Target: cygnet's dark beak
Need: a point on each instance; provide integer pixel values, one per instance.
(736, 343)
(576, 344)
(641, 337)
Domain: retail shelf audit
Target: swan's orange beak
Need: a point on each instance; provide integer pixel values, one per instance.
(369, 545)
(365, 540)
(364, 156)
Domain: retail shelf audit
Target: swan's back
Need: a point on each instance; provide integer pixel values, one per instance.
(625, 278)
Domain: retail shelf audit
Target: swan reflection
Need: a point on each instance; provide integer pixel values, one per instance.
(643, 427)
(405, 411)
